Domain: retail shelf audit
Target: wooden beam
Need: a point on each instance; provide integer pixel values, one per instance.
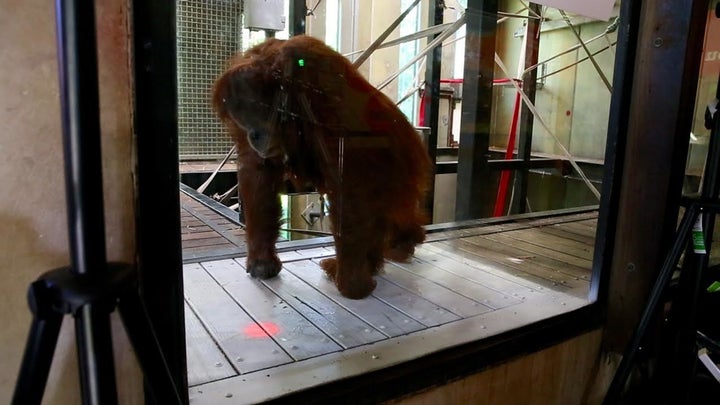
(510, 164)
(660, 115)
(615, 148)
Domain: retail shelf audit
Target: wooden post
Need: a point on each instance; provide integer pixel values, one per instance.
(660, 115)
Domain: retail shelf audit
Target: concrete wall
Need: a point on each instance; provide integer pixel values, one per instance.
(575, 103)
(33, 235)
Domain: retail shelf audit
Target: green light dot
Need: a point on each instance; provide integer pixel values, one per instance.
(301, 62)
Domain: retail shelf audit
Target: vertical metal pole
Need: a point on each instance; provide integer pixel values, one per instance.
(297, 14)
(473, 172)
(77, 62)
(532, 48)
(432, 87)
(77, 58)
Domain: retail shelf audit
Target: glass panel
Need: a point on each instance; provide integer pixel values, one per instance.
(706, 97)
(335, 146)
(705, 105)
(563, 114)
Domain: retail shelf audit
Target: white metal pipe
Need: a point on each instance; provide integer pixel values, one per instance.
(435, 42)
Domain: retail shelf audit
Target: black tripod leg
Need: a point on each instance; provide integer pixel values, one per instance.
(39, 351)
(623, 372)
(95, 354)
(147, 349)
(676, 367)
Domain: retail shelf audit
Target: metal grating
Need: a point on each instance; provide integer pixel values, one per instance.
(208, 34)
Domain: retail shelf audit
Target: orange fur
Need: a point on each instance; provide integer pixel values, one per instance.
(322, 123)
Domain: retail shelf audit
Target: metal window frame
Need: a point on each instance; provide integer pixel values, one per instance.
(159, 234)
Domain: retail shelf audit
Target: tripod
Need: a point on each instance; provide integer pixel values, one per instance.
(90, 288)
(677, 363)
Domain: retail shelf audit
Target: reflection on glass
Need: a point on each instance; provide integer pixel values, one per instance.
(563, 116)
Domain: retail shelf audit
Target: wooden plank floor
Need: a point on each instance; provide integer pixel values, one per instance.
(461, 285)
(204, 233)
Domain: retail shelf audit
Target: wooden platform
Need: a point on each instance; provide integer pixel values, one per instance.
(297, 331)
(204, 233)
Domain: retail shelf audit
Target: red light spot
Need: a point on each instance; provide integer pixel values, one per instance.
(261, 330)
